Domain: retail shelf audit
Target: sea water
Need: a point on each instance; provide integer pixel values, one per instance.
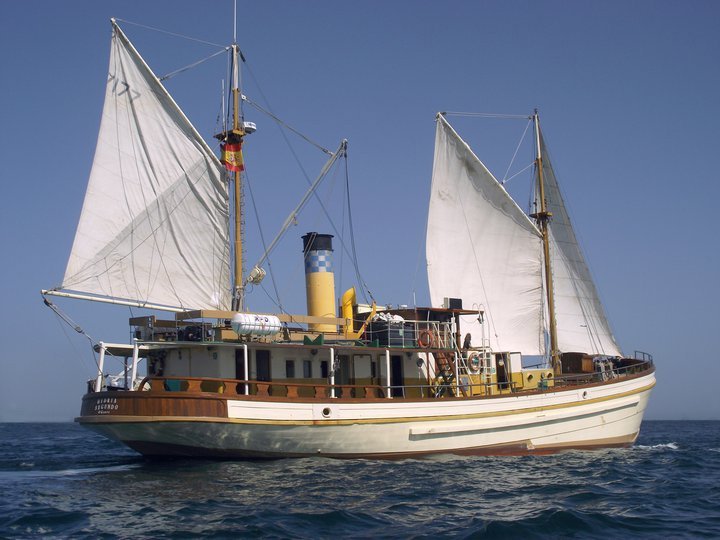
(59, 480)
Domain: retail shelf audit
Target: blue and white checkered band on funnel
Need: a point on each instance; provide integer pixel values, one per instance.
(318, 261)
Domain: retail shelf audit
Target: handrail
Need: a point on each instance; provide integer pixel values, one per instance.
(582, 378)
(236, 387)
(641, 355)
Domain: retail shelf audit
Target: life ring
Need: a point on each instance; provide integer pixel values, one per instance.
(426, 339)
(473, 363)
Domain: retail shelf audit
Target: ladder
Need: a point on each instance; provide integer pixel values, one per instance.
(445, 379)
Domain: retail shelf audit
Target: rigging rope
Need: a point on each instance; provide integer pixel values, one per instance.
(522, 138)
(190, 66)
(506, 180)
(264, 245)
(286, 126)
(67, 319)
(169, 33)
(487, 115)
(590, 304)
(356, 265)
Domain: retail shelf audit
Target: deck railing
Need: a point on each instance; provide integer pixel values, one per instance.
(411, 334)
(237, 387)
(465, 387)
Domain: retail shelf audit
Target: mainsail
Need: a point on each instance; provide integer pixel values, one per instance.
(581, 322)
(481, 247)
(154, 223)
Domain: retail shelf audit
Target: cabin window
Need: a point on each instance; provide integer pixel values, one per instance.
(307, 369)
(262, 365)
(289, 369)
(373, 369)
(324, 369)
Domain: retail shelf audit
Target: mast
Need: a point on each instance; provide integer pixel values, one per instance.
(238, 132)
(232, 140)
(543, 219)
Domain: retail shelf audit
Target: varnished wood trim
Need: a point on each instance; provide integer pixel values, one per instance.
(119, 418)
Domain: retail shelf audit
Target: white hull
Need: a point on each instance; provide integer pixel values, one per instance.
(596, 416)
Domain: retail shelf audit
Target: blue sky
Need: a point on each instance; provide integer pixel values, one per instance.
(627, 93)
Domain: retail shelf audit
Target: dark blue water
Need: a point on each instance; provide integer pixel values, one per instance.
(58, 480)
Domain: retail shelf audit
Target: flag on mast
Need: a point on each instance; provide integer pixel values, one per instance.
(232, 157)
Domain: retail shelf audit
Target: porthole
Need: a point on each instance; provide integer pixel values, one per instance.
(326, 412)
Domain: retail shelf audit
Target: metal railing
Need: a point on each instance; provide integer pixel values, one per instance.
(645, 357)
(411, 334)
(576, 379)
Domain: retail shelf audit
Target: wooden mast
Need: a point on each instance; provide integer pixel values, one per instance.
(237, 133)
(543, 219)
(234, 137)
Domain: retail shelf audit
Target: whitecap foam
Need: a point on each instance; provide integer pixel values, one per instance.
(670, 446)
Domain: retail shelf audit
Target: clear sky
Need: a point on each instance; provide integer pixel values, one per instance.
(627, 92)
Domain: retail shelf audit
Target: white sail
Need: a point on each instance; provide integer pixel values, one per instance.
(481, 247)
(154, 223)
(581, 322)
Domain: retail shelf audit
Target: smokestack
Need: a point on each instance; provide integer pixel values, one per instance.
(319, 279)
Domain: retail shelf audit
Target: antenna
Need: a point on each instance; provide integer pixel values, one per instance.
(234, 21)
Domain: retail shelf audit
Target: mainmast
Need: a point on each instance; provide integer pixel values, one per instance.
(543, 219)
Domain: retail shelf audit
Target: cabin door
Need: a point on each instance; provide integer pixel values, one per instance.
(262, 365)
(344, 374)
(396, 376)
(503, 370)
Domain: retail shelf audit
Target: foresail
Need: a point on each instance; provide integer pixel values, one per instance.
(481, 247)
(581, 322)
(154, 223)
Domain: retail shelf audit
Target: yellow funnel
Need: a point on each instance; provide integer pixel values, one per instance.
(319, 279)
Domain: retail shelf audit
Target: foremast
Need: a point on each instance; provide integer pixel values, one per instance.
(232, 140)
(543, 219)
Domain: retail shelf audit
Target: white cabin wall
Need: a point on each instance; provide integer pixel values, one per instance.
(362, 365)
(204, 363)
(515, 359)
(278, 359)
(177, 363)
(217, 362)
(226, 363)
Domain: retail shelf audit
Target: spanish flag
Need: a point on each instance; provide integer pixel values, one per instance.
(232, 157)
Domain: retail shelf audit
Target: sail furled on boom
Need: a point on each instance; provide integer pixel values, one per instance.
(581, 322)
(154, 223)
(481, 247)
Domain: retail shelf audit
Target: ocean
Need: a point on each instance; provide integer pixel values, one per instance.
(59, 480)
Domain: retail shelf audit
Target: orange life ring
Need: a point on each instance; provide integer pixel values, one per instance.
(426, 339)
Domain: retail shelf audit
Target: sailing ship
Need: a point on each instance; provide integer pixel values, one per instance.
(347, 379)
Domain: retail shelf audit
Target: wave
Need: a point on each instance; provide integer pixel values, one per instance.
(670, 446)
(44, 473)
(667, 486)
